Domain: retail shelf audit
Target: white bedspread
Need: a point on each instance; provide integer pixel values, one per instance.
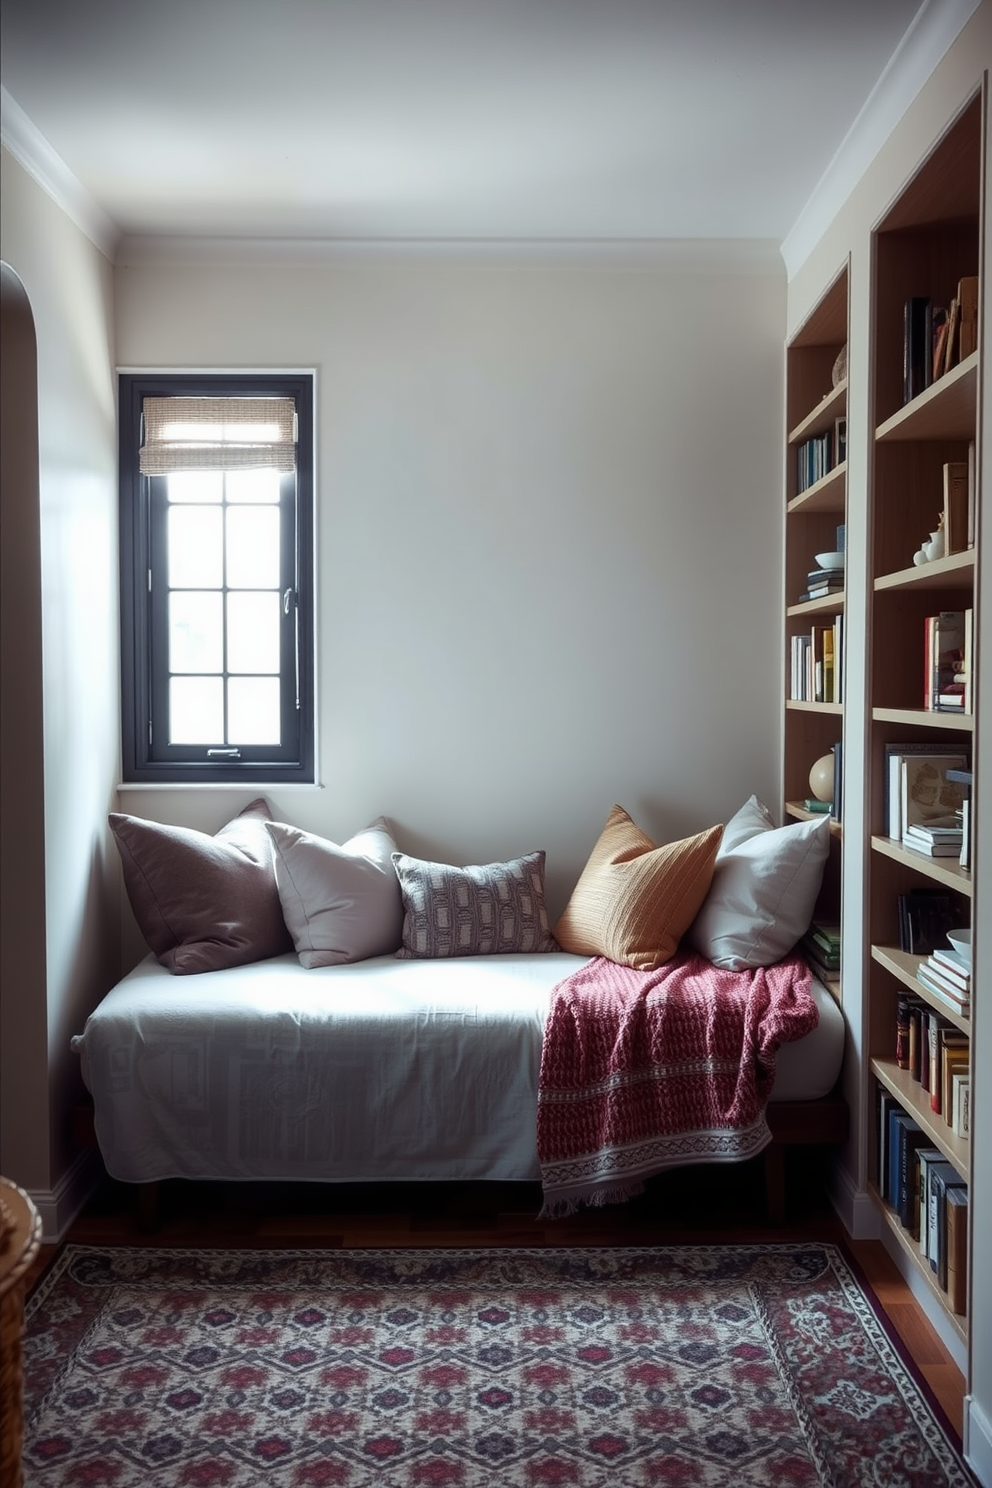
(381, 1070)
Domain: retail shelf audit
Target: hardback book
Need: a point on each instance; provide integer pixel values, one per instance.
(917, 366)
(944, 1183)
(921, 1158)
(938, 341)
(939, 1174)
(941, 1037)
(956, 506)
(925, 916)
(946, 980)
(886, 1103)
(968, 315)
(927, 1158)
(957, 1249)
(916, 1036)
(902, 1129)
(910, 1137)
(952, 964)
(961, 1104)
(902, 1030)
(945, 654)
(951, 346)
(954, 1061)
(821, 808)
(928, 798)
(950, 1000)
(941, 848)
(895, 753)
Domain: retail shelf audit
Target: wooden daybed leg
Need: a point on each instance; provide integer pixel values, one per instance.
(149, 1207)
(775, 1183)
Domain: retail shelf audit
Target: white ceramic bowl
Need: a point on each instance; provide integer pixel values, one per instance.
(961, 941)
(830, 560)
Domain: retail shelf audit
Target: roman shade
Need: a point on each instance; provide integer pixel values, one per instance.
(217, 434)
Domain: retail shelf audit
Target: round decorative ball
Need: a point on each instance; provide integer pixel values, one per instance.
(821, 778)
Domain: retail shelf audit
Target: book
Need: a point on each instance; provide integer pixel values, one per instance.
(900, 1123)
(961, 1104)
(945, 654)
(943, 1183)
(885, 1104)
(928, 798)
(947, 981)
(921, 1158)
(942, 1173)
(925, 915)
(967, 315)
(957, 1248)
(932, 849)
(838, 754)
(917, 369)
(946, 998)
(951, 963)
(955, 1059)
(822, 808)
(902, 1030)
(951, 349)
(910, 1137)
(926, 1158)
(894, 753)
(956, 506)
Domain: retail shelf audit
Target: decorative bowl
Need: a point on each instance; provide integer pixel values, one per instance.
(961, 941)
(830, 560)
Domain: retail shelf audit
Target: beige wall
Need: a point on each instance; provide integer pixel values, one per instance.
(67, 946)
(548, 508)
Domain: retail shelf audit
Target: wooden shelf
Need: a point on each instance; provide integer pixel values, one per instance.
(797, 810)
(822, 417)
(831, 604)
(914, 1099)
(923, 718)
(795, 706)
(825, 495)
(912, 1250)
(903, 966)
(944, 871)
(946, 410)
(955, 571)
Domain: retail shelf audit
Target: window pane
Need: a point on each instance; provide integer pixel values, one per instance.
(196, 710)
(253, 632)
(253, 547)
(196, 632)
(196, 556)
(196, 485)
(253, 710)
(253, 486)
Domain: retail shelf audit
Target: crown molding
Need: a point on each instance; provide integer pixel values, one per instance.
(935, 28)
(29, 147)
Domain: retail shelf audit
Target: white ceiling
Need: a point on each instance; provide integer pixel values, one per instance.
(450, 119)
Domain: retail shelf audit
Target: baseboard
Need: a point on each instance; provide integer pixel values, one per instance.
(856, 1208)
(58, 1207)
(978, 1441)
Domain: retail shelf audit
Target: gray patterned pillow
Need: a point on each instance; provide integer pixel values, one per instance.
(494, 909)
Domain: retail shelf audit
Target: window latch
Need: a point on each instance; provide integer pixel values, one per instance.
(288, 599)
(223, 754)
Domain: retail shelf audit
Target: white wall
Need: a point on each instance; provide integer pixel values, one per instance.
(68, 285)
(548, 509)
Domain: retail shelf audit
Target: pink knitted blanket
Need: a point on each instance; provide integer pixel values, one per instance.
(646, 1070)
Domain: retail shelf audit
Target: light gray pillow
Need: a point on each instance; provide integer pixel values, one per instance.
(764, 889)
(340, 903)
(481, 910)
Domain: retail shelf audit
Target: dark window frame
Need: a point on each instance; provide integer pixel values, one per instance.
(146, 759)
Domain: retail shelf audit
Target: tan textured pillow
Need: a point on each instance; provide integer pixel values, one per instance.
(634, 901)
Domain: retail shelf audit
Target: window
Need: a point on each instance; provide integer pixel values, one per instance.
(217, 577)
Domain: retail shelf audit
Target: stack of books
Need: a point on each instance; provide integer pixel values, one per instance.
(934, 842)
(821, 581)
(947, 976)
(821, 948)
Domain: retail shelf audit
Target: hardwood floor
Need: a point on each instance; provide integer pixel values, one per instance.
(715, 1204)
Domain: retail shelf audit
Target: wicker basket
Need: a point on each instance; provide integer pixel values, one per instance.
(20, 1236)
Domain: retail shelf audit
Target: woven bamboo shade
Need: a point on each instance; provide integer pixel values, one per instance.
(218, 434)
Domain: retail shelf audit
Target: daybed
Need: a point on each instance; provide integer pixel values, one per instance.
(330, 1062)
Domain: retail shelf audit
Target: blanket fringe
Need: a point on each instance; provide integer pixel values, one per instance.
(561, 1208)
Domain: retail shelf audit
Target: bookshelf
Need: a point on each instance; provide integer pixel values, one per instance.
(816, 506)
(927, 242)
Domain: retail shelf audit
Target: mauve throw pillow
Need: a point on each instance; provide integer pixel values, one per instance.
(201, 902)
(482, 910)
(634, 900)
(340, 903)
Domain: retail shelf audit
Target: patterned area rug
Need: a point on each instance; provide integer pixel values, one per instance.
(745, 1365)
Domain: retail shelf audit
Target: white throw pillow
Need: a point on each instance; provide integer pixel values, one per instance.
(764, 889)
(340, 903)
